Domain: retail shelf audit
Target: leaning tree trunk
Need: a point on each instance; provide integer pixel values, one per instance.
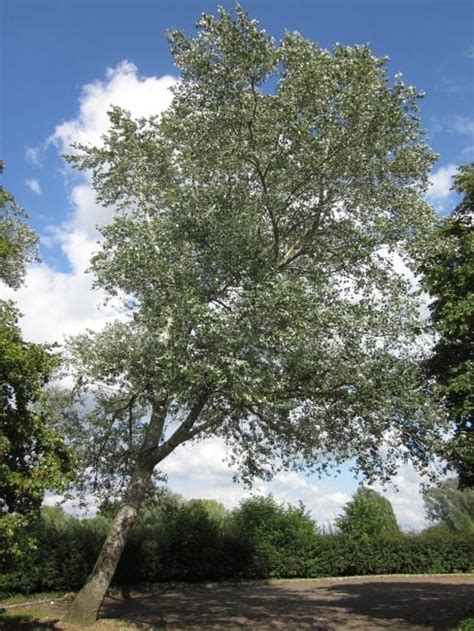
(88, 600)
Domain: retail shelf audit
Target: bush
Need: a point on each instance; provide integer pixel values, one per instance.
(65, 552)
(279, 540)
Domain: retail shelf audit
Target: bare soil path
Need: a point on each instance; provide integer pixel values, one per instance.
(399, 603)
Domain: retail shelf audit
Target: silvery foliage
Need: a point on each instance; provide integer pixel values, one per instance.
(254, 234)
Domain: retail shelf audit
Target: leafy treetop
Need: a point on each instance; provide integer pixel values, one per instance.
(367, 516)
(259, 225)
(449, 505)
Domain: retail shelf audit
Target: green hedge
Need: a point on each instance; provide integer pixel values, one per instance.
(405, 554)
(260, 539)
(65, 553)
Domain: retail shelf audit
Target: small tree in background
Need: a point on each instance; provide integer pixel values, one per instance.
(280, 538)
(367, 516)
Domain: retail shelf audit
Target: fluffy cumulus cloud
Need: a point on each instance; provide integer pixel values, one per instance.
(142, 96)
(59, 302)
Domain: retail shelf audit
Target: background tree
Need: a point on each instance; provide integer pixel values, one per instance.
(18, 242)
(367, 516)
(255, 244)
(449, 277)
(449, 505)
(33, 457)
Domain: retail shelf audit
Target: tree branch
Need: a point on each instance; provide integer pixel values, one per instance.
(184, 431)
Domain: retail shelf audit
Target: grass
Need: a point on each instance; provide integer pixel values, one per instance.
(467, 624)
(19, 599)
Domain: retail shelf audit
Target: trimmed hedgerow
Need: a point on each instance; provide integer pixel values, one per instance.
(260, 539)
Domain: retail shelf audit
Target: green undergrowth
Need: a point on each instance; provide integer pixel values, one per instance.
(467, 624)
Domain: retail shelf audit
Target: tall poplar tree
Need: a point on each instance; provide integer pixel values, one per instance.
(258, 229)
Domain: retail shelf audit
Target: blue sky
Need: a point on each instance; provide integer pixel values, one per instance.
(54, 60)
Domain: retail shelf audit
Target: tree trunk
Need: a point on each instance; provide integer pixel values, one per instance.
(88, 600)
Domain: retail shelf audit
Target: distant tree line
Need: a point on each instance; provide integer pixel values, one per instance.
(198, 540)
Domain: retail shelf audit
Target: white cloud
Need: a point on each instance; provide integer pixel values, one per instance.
(142, 96)
(34, 186)
(33, 156)
(405, 497)
(58, 303)
(201, 471)
(441, 183)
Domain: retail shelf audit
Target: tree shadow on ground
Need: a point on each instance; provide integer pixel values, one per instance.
(26, 623)
(431, 604)
(331, 607)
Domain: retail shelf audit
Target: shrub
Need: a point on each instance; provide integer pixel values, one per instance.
(279, 539)
(63, 556)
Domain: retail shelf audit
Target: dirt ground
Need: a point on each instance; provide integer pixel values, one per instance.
(370, 603)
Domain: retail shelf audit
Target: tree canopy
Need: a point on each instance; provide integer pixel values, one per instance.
(253, 245)
(18, 242)
(367, 516)
(449, 505)
(33, 456)
(259, 228)
(449, 277)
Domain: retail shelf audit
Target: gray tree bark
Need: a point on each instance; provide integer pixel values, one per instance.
(88, 600)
